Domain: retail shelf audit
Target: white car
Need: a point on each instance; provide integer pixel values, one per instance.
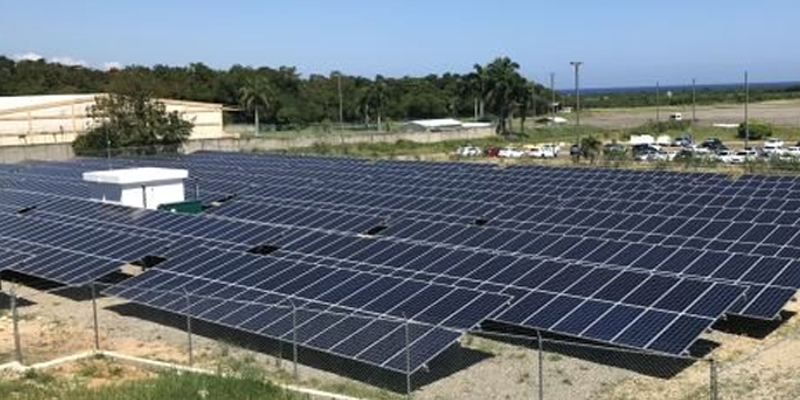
(792, 151)
(772, 149)
(742, 156)
(696, 149)
(553, 148)
(469, 151)
(539, 152)
(510, 152)
(723, 156)
(773, 142)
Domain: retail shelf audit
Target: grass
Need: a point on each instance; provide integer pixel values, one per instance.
(42, 386)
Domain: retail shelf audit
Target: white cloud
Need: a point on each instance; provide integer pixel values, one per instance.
(72, 62)
(29, 56)
(109, 65)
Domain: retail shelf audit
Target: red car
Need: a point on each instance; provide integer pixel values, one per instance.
(491, 151)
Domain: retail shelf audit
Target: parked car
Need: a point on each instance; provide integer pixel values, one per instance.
(697, 150)
(469, 151)
(539, 152)
(553, 148)
(792, 151)
(510, 152)
(772, 149)
(742, 156)
(683, 140)
(614, 148)
(575, 150)
(773, 142)
(491, 151)
(723, 156)
(665, 155)
(645, 152)
(713, 144)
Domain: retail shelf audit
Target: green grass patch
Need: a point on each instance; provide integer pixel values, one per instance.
(41, 386)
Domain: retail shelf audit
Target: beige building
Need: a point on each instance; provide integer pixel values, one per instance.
(62, 117)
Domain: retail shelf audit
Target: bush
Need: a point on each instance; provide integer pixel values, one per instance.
(758, 131)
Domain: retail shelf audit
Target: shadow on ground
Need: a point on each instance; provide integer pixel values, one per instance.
(752, 328)
(654, 365)
(451, 361)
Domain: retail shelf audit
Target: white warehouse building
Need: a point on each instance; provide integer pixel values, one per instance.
(60, 118)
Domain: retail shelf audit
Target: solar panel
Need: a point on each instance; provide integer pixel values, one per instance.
(544, 236)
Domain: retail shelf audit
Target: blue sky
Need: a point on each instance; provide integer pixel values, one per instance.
(623, 43)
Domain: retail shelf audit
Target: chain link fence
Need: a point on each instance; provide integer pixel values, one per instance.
(43, 322)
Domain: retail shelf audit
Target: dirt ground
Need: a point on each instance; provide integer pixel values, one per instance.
(783, 112)
(53, 325)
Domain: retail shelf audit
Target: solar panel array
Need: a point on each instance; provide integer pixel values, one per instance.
(639, 259)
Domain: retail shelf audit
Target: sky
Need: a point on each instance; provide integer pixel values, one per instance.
(622, 43)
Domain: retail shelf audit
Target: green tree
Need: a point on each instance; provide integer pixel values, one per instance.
(590, 148)
(257, 94)
(758, 130)
(134, 124)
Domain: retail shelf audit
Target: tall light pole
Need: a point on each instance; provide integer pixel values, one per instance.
(658, 102)
(341, 106)
(553, 96)
(577, 66)
(694, 100)
(746, 108)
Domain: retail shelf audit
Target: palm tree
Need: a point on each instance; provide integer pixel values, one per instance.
(257, 94)
(526, 97)
(477, 85)
(502, 87)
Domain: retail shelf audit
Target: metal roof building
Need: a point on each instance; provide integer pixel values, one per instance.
(60, 118)
(444, 124)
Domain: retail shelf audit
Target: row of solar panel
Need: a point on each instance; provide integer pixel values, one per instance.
(376, 341)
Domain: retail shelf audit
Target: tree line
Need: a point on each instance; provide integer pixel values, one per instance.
(282, 97)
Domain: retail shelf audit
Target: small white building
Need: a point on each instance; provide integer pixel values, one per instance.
(138, 187)
(443, 124)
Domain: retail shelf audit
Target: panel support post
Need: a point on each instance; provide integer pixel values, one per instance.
(407, 347)
(540, 343)
(294, 338)
(94, 318)
(713, 388)
(15, 325)
(189, 342)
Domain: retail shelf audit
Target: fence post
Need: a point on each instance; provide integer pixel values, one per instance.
(94, 317)
(713, 390)
(541, 364)
(189, 327)
(294, 338)
(15, 325)
(408, 356)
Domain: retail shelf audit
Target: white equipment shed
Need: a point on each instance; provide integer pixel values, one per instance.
(138, 187)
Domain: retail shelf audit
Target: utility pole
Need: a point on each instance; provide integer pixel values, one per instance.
(658, 102)
(341, 107)
(553, 96)
(577, 66)
(694, 101)
(746, 108)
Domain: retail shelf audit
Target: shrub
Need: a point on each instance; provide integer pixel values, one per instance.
(758, 131)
